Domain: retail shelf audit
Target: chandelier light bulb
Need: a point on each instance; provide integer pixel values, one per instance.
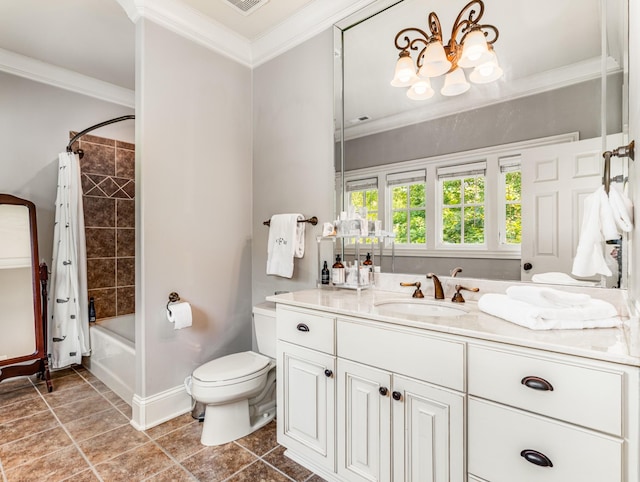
(405, 73)
(474, 50)
(487, 72)
(420, 90)
(455, 83)
(435, 61)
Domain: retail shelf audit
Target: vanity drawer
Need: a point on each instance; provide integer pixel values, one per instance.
(306, 328)
(591, 396)
(405, 351)
(498, 437)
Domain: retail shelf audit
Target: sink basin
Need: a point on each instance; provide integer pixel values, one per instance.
(417, 308)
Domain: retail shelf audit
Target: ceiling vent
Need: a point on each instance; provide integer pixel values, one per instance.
(246, 7)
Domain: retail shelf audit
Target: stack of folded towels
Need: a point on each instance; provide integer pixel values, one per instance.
(549, 309)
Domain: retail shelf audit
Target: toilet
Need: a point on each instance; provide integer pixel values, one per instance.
(239, 390)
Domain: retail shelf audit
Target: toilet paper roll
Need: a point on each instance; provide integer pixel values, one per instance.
(179, 314)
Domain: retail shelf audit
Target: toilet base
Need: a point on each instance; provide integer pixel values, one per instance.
(229, 422)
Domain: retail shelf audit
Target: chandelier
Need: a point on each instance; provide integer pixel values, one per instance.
(473, 50)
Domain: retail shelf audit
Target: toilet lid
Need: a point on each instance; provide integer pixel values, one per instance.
(231, 367)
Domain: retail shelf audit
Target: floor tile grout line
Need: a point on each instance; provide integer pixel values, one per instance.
(261, 458)
(4, 476)
(73, 440)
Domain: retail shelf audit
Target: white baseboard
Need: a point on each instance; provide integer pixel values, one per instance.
(156, 409)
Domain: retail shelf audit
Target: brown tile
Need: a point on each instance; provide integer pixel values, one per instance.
(98, 159)
(96, 423)
(113, 397)
(63, 397)
(88, 184)
(56, 466)
(218, 463)
(99, 212)
(126, 300)
(71, 380)
(170, 425)
(101, 273)
(101, 242)
(14, 396)
(108, 186)
(130, 189)
(126, 410)
(105, 302)
(25, 427)
(25, 408)
(125, 163)
(136, 464)
(82, 408)
(261, 441)
(99, 386)
(24, 450)
(126, 242)
(126, 272)
(183, 442)
(284, 464)
(315, 478)
(258, 471)
(85, 476)
(64, 372)
(172, 474)
(125, 145)
(125, 213)
(97, 140)
(110, 444)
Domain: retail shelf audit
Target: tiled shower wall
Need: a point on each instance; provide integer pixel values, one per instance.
(108, 186)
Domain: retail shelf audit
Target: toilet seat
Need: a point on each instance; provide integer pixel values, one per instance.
(231, 369)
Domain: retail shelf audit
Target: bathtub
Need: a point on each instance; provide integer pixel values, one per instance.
(113, 354)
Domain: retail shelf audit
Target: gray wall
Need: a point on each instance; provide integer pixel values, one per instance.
(193, 193)
(292, 153)
(35, 120)
(575, 108)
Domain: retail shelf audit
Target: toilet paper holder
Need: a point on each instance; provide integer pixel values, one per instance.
(173, 297)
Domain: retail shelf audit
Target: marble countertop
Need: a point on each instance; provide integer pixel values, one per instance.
(618, 345)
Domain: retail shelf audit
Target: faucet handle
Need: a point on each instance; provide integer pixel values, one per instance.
(457, 297)
(417, 293)
(455, 271)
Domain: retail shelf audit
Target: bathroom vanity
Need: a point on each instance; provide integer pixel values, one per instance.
(366, 393)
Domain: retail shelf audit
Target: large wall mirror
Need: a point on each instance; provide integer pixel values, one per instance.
(22, 337)
(536, 136)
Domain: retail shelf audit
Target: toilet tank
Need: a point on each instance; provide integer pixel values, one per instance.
(264, 324)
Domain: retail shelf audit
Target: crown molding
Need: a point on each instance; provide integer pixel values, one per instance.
(53, 75)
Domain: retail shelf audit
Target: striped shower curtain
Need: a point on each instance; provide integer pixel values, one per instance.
(68, 327)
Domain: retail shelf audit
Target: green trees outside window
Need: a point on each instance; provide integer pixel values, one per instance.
(408, 203)
(513, 207)
(463, 210)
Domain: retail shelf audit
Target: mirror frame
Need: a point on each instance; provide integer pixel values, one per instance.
(39, 317)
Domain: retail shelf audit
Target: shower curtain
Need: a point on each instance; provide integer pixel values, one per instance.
(68, 327)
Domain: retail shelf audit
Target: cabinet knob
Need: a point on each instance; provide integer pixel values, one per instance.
(536, 458)
(396, 395)
(383, 391)
(302, 327)
(537, 383)
(328, 373)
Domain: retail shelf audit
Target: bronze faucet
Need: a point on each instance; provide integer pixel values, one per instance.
(438, 293)
(455, 271)
(457, 297)
(417, 293)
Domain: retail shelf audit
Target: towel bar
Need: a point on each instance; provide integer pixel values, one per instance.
(312, 220)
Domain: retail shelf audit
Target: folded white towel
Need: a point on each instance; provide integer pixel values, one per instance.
(558, 278)
(621, 208)
(547, 297)
(596, 226)
(286, 241)
(526, 315)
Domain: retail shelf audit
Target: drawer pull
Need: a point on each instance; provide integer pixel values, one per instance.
(537, 383)
(383, 391)
(396, 395)
(536, 458)
(328, 373)
(302, 327)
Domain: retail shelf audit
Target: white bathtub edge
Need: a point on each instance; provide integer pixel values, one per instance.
(156, 409)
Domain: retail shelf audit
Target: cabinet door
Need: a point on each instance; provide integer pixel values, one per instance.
(364, 422)
(428, 432)
(306, 403)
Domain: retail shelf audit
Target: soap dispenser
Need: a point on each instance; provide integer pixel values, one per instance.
(92, 310)
(337, 272)
(325, 274)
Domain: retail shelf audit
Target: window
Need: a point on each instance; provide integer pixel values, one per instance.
(511, 183)
(363, 193)
(462, 191)
(408, 206)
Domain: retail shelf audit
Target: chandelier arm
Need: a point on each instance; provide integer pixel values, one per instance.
(408, 42)
(434, 27)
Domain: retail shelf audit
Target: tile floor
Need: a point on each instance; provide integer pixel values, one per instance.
(81, 432)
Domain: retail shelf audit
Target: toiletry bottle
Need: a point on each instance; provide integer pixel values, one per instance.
(337, 272)
(325, 274)
(368, 264)
(92, 310)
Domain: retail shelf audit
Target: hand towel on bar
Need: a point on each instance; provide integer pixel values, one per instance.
(622, 208)
(527, 315)
(547, 297)
(286, 241)
(597, 220)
